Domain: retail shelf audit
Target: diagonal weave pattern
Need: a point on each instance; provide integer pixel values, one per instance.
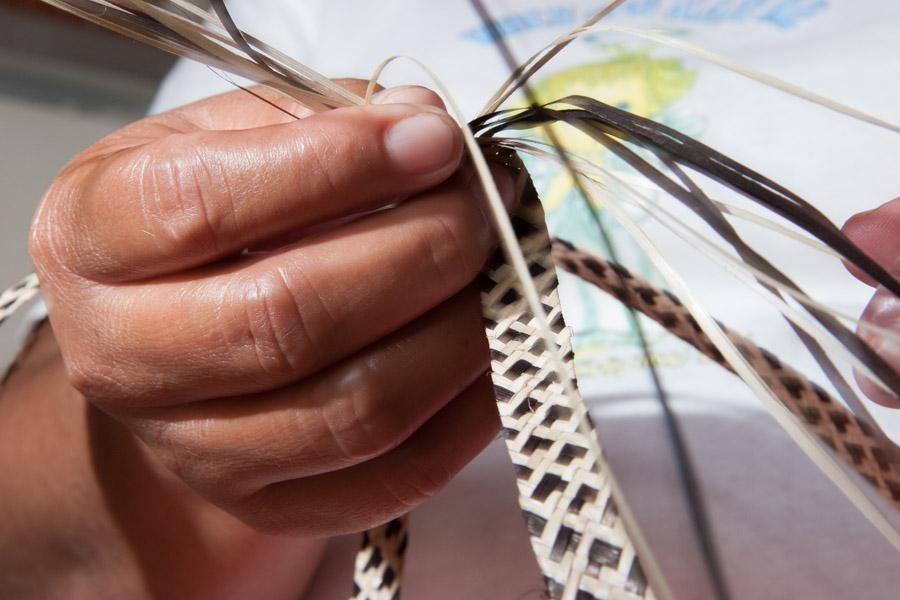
(378, 570)
(576, 533)
(14, 297)
(828, 419)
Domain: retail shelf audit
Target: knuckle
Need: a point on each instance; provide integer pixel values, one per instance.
(183, 196)
(361, 424)
(52, 243)
(420, 482)
(423, 95)
(416, 94)
(266, 519)
(275, 323)
(450, 236)
(208, 464)
(320, 150)
(296, 507)
(94, 379)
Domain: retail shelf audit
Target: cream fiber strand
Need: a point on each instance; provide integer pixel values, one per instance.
(526, 145)
(739, 270)
(805, 440)
(275, 55)
(514, 253)
(702, 53)
(492, 195)
(551, 50)
(219, 55)
(199, 34)
(641, 201)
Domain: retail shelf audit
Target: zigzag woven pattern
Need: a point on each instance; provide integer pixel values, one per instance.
(827, 418)
(378, 570)
(14, 297)
(576, 533)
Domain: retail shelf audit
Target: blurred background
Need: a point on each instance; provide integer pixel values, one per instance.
(64, 84)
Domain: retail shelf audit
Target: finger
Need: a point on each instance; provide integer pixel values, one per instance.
(877, 232)
(187, 199)
(262, 323)
(409, 94)
(240, 109)
(373, 492)
(361, 408)
(883, 311)
(356, 85)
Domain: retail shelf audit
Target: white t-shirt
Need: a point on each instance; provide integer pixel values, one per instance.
(781, 529)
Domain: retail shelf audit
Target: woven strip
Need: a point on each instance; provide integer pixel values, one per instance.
(14, 297)
(562, 493)
(835, 425)
(577, 536)
(378, 569)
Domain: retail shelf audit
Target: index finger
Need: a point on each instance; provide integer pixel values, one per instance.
(190, 198)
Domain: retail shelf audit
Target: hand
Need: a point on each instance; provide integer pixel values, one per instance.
(220, 281)
(878, 233)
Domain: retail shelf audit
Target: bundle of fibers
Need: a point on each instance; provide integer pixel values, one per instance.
(583, 533)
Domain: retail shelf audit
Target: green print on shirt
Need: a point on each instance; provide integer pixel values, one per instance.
(647, 85)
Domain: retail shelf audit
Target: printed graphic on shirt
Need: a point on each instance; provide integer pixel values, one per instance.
(647, 83)
(646, 80)
(783, 14)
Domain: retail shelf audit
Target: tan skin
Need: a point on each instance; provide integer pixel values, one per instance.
(204, 418)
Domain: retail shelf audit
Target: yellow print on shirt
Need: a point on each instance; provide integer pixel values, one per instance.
(645, 84)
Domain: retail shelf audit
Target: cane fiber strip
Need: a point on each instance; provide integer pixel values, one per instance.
(835, 425)
(576, 533)
(378, 570)
(14, 297)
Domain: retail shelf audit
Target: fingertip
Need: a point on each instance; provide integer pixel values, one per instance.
(875, 392)
(855, 228)
(875, 231)
(424, 144)
(881, 315)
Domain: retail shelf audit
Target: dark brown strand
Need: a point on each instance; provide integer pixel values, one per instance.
(660, 138)
(714, 218)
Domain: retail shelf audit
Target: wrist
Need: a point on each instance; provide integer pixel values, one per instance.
(94, 514)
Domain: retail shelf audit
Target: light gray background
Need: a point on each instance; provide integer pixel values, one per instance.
(63, 85)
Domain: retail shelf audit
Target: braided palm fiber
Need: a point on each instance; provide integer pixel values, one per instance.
(835, 425)
(577, 536)
(14, 297)
(378, 570)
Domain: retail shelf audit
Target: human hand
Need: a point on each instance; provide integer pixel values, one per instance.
(329, 378)
(877, 232)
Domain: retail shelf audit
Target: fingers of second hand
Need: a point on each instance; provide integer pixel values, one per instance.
(189, 198)
(882, 311)
(877, 232)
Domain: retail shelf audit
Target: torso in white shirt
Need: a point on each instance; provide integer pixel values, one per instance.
(782, 530)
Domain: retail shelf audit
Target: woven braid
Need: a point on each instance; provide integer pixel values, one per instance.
(577, 535)
(575, 530)
(378, 569)
(14, 297)
(827, 418)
